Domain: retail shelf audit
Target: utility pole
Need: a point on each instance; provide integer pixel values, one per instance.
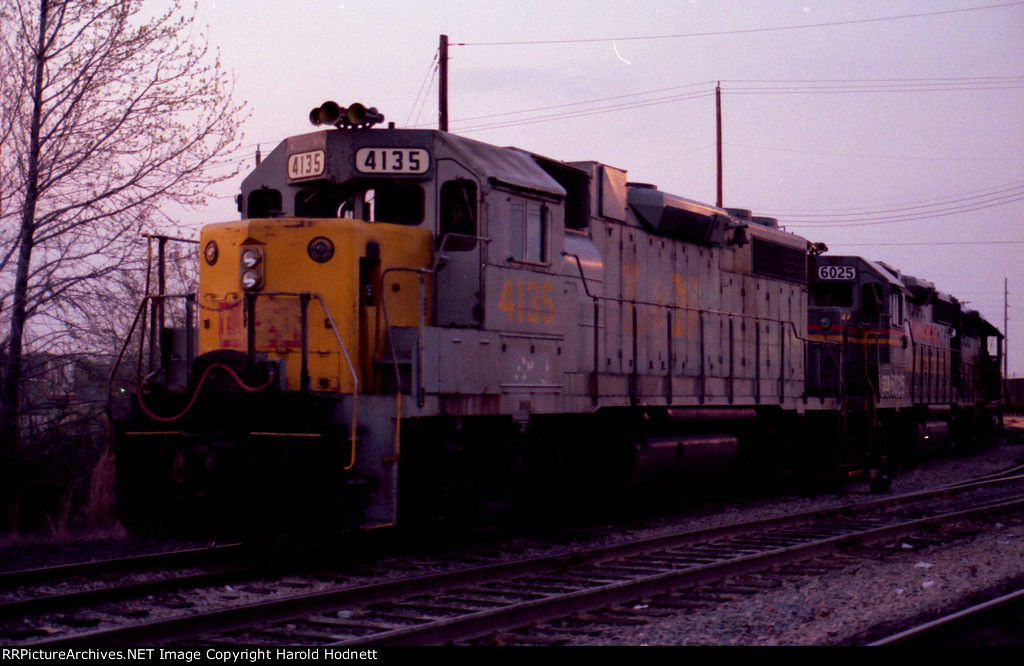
(442, 85)
(718, 126)
(1006, 329)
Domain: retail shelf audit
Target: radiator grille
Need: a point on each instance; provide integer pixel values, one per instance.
(779, 261)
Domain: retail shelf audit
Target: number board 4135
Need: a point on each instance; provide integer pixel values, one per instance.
(309, 164)
(392, 160)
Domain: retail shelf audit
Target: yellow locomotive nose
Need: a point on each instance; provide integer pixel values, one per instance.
(336, 264)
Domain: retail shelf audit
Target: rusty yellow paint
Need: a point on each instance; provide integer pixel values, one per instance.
(685, 322)
(527, 300)
(287, 267)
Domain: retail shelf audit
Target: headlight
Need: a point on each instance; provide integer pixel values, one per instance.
(251, 257)
(211, 252)
(252, 280)
(320, 249)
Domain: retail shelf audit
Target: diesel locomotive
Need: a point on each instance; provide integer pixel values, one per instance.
(408, 324)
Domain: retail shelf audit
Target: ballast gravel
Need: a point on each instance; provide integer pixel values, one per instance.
(863, 601)
(864, 597)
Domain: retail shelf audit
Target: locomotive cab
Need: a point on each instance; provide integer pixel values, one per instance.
(360, 273)
(859, 304)
(912, 357)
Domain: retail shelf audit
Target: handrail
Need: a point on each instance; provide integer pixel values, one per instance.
(303, 296)
(344, 350)
(444, 241)
(913, 364)
(177, 239)
(670, 308)
(120, 356)
(128, 338)
(594, 379)
(579, 266)
(700, 312)
(835, 360)
(158, 311)
(355, 380)
(421, 304)
(721, 313)
(420, 272)
(686, 308)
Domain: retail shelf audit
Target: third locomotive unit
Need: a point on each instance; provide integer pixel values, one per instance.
(407, 324)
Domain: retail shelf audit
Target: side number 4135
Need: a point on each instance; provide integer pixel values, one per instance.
(527, 300)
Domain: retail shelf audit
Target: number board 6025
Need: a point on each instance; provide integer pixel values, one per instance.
(392, 160)
(837, 273)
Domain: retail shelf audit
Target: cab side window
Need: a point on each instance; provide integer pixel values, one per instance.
(458, 214)
(869, 306)
(896, 308)
(528, 232)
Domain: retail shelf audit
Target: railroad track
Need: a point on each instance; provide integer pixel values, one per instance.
(175, 558)
(68, 586)
(1016, 470)
(473, 601)
(994, 622)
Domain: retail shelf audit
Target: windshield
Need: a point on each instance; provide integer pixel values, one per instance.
(833, 294)
(373, 201)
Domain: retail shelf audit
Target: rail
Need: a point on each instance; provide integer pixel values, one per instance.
(997, 618)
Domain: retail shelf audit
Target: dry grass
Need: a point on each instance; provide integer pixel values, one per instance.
(101, 489)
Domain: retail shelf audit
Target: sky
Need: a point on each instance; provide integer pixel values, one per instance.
(889, 130)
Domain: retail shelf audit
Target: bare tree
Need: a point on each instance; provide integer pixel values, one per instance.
(107, 115)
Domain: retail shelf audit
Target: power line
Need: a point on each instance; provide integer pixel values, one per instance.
(746, 31)
(582, 103)
(939, 204)
(944, 79)
(908, 86)
(588, 112)
(867, 90)
(930, 158)
(940, 212)
(430, 84)
(811, 86)
(999, 242)
(957, 84)
(423, 87)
